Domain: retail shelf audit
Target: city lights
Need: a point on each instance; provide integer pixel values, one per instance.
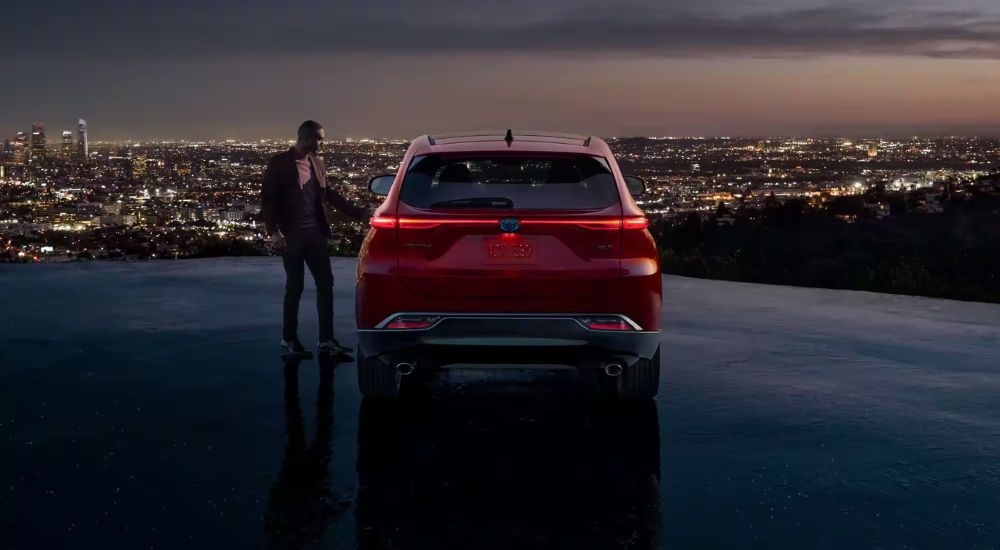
(185, 199)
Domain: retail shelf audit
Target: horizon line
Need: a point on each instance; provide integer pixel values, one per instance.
(611, 137)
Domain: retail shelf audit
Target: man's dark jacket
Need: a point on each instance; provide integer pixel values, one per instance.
(281, 196)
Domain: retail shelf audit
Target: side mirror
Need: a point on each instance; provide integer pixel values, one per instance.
(380, 185)
(636, 185)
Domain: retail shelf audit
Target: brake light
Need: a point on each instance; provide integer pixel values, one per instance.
(389, 222)
(593, 224)
(411, 323)
(635, 223)
(423, 223)
(608, 323)
(639, 223)
(383, 222)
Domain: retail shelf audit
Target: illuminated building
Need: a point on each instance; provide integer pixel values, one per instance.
(37, 141)
(20, 148)
(82, 145)
(139, 167)
(873, 151)
(67, 145)
(231, 215)
(6, 155)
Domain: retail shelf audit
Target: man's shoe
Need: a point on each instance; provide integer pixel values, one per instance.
(332, 347)
(294, 348)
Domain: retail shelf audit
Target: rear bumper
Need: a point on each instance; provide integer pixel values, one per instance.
(508, 339)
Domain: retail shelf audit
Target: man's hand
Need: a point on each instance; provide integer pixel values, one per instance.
(278, 243)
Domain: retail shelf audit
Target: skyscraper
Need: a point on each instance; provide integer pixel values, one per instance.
(6, 156)
(67, 145)
(20, 148)
(82, 145)
(139, 167)
(37, 141)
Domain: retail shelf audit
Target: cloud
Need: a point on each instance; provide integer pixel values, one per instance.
(637, 29)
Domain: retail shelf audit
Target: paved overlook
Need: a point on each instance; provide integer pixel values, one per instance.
(144, 405)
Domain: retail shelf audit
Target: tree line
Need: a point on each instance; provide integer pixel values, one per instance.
(951, 251)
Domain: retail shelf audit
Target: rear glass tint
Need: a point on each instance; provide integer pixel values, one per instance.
(510, 182)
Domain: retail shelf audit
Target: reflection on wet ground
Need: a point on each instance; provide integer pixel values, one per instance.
(302, 501)
(521, 460)
(145, 406)
(480, 469)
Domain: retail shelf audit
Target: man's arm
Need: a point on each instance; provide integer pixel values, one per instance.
(269, 198)
(342, 204)
(339, 201)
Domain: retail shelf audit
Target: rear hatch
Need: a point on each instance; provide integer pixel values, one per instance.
(509, 226)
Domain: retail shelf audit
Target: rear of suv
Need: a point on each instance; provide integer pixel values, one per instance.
(508, 248)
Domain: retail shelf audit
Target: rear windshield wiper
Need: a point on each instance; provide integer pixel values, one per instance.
(476, 202)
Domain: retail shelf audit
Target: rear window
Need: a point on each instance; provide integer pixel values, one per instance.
(510, 182)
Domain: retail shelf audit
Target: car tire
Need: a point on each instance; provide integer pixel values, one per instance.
(376, 378)
(642, 380)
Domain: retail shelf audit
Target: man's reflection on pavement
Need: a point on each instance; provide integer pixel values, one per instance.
(514, 470)
(302, 502)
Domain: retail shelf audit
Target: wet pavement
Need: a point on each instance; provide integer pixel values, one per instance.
(145, 405)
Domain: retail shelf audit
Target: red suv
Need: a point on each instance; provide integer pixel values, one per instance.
(516, 248)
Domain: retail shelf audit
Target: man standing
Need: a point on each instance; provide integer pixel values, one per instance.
(294, 202)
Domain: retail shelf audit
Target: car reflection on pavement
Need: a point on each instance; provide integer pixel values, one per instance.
(502, 469)
(302, 502)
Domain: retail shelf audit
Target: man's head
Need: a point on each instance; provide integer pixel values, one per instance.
(311, 134)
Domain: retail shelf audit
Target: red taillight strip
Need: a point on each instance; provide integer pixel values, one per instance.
(418, 223)
(584, 222)
(387, 222)
(383, 222)
(635, 223)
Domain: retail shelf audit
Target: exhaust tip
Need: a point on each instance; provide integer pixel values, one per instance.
(613, 369)
(405, 369)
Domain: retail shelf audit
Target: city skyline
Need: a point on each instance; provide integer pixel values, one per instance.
(710, 68)
(11, 133)
(198, 199)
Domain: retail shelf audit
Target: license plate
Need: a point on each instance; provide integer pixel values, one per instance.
(519, 251)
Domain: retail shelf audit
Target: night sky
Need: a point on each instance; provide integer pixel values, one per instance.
(252, 69)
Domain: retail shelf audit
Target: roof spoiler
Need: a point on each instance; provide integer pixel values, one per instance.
(509, 136)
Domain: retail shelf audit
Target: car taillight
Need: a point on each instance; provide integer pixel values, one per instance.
(390, 222)
(411, 323)
(635, 223)
(615, 223)
(606, 323)
(599, 224)
(383, 222)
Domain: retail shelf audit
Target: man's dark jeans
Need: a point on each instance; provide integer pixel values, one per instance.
(308, 248)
